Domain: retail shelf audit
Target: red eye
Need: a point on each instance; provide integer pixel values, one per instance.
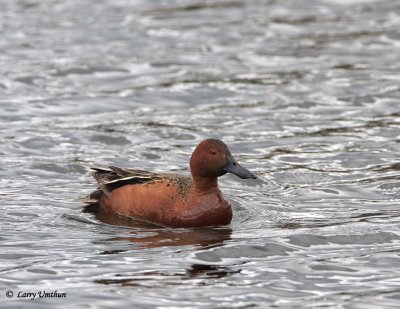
(213, 152)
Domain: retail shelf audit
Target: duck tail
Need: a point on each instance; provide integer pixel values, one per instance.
(92, 201)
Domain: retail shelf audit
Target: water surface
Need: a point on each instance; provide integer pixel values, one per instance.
(305, 93)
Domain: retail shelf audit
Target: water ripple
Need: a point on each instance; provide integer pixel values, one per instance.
(305, 95)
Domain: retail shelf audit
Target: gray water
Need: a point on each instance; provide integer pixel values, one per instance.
(305, 93)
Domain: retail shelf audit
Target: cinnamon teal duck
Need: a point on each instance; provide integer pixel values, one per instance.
(170, 200)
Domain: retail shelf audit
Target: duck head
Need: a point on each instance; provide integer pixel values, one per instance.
(212, 159)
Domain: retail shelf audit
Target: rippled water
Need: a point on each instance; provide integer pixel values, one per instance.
(305, 93)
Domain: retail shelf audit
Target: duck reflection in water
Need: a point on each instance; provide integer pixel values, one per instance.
(204, 238)
(151, 279)
(161, 237)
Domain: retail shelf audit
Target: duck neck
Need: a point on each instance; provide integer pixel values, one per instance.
(205, 184)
